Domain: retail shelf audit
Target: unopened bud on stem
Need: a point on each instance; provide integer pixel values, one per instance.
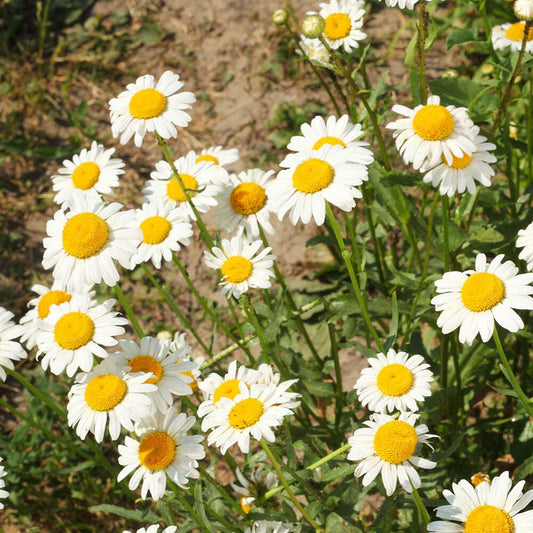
(280, 17)
(313, 26)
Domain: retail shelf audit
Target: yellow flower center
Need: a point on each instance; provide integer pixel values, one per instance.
(147, 103)
(433, 123)
(247, 198)
(155, 229)
(312, 175)
(482, 291)
(174, 190)
(227, 389)
(49, 299)
(395, 441)
(394, 380)
(85, 175)
(193, 384)
(207, 157)
(478, 478)
(73, 330)
(157, 450)
(488, 519)
(246, 507)
(338, 26)
(146, 363)
(84, 235)
(458, 162)
(328, 140)
(246, 413)
(515, 32)
(105, 392)
(236, 269)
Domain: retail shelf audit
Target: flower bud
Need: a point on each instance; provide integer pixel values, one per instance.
(313, 26)
(524, 9)
(280, 17)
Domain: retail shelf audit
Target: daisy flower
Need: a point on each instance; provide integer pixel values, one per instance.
(491, 507)
(462, 173)
(164, 449)
(473, 300)
(388, 446)
(241, 266)
(344, 20)
(314, 50)
(332, 131)
(394, 382)
(152, 356)
(107, 394)
(511, 35)
(3, 492)
(431, 132)
(402, 4)
(164, 231)
(215, 387)
(523, 9)
(75, 331)
(314, 177)
(249, 489)
(269, 526)
(243, 204)
(267, 376)
(10, 350)
(154, 528)
(220, 158)
(83, 243)
(149, 106)
(525, 241)
(196, 177)
(91, 172)
(252, 412)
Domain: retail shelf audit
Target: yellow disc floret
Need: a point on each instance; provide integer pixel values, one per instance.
(248, 198)
(51, 298)
(84, 235)
(227, 389)
(176, 193)
(207, 157)
(155, 229)
(146, 363)
(338, 26)
(85, 175)
(147, 103)
(236, 269)
(458, 162)
(105, 392)
(488, 519)
(73, 330)
(433, 123)
(482, 291)
(515, 32)
(394, 380)
(157, 450)
(328, 140)
(395, 441)
(312, 175)
(246, 413)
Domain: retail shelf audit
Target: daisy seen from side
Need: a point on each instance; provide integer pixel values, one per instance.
(196, 178)
(181, 351)
(311, 178)
(92, 172)
(343, 23)
(11, 350)
(394, 382)
(150, 106)
(108, 396)
(243, 203)
(76, 331)
(523, 9)
(251, 413)
(164, 449)
(315, 51)
(463, 172)
(258, 484)
(510, 35)
(525, 241)
(84, 243)
(152, 357)
(475, 299)
(430, 132)
(164, 229)
(388, 447)
(242, 265)
(3, 493)
(488, 507)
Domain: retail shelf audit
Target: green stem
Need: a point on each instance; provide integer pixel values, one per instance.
(353, 278)
(128, 310)
(509, 374)
(220, 489)
(334, 350)
(420, 506)
(286, 486)
(446, 232)
(444, 353)
(188, 507)
(375, 242)
(250, 313)
(421, 49)
(529, 134)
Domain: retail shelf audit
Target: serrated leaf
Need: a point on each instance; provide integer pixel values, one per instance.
(140, 515)
(337, 473)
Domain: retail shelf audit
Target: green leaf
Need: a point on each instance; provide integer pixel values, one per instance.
(140, 515)
(460, 36)
(338, 473)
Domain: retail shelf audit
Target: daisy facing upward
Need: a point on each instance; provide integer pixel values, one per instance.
(343, 23)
